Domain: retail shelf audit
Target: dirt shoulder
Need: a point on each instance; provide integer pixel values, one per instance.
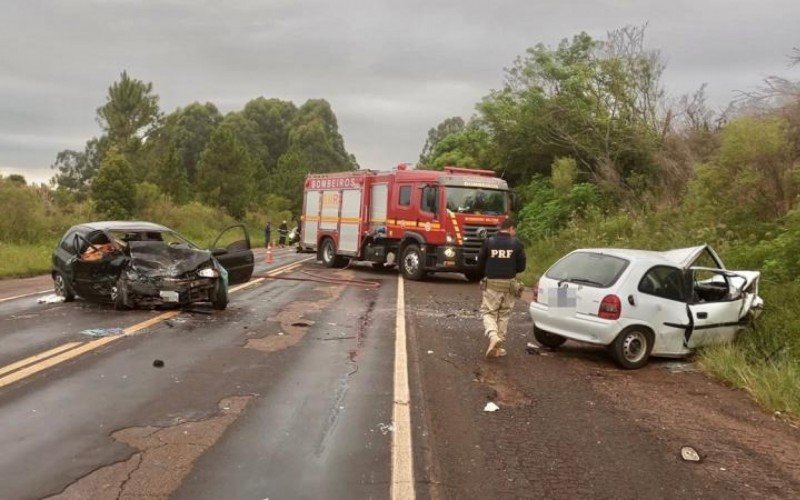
(571, 424)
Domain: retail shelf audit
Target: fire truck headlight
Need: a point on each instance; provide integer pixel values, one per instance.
(449, 239)
(449, 253)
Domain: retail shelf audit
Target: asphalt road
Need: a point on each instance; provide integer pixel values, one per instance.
(292, 392)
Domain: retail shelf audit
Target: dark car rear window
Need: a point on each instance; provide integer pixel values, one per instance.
(588, 268)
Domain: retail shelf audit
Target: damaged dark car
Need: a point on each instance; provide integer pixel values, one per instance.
(142, 264)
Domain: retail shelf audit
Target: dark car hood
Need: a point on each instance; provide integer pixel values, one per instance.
(156, 259)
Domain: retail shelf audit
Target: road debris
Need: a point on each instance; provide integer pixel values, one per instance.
(532, 348)
(490, 406)
(689, 454)
(430, 352)
(158, 363)
(103, 332)
(198, 310)
(680, 367)
(50, 299)
(385, 428)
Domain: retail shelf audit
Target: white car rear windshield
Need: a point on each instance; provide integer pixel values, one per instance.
(588, 268)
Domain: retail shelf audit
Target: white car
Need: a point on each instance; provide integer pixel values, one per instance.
(642, 303)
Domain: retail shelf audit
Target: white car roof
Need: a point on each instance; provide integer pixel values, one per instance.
(681, 257)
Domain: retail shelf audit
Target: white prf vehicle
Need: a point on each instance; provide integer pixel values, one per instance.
(643, 303)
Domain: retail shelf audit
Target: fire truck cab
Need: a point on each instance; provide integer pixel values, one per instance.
(423, 221)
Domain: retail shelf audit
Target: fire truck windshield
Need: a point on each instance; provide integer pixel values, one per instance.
(477, 201)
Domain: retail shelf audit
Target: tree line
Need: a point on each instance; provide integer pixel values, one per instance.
(255, 157)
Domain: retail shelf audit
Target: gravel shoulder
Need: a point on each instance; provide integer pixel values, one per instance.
(571, 424)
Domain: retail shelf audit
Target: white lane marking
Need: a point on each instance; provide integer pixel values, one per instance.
(402, 452)
(25, 295)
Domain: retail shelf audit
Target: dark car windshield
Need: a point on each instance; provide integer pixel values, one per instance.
(588, 268)
(168, 237)
(477, 200)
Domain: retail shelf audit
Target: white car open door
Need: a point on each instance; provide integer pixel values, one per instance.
(720, 304)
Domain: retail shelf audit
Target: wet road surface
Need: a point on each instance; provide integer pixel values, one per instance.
(289, 394)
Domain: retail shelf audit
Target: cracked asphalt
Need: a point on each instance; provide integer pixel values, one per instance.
(289, 394)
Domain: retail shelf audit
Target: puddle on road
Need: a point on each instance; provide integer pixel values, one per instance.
(166, 455)
(292, 318)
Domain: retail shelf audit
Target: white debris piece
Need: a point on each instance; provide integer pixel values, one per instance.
(385, 428)
(430, 352)
(690, 454)
(50, 299)
(490, 406)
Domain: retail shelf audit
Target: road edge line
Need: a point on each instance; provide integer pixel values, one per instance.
(25, 295)
(402, 486)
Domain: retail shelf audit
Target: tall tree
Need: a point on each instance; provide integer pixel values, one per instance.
(130, 111)
(225, 175)
(76, 169)
(113, 192)
(449, 126)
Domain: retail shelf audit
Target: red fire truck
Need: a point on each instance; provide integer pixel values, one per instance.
(421, 220)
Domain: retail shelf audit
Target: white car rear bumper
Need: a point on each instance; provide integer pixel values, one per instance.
(580, 327)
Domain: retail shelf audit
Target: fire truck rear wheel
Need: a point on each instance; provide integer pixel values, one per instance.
(411, 263)
(328, 254)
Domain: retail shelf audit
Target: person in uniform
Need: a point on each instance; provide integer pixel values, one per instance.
(267, 234)
(283, 231)
(501, 257)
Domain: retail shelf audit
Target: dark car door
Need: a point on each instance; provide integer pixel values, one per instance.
(94, 279)
(232, 251)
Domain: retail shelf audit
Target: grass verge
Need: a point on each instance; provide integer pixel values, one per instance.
(22, 260)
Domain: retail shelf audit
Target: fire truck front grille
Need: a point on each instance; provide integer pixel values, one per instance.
(474, 236)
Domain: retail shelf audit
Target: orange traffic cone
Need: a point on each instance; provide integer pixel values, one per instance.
(268, 256)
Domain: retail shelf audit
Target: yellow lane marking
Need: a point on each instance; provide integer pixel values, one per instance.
(89, 346)
(38, 357)
(24, 295)
(71, 350)
(402, 455)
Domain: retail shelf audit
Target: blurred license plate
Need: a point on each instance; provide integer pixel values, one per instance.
(169, 295)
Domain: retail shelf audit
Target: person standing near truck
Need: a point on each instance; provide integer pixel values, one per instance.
(267, 234)
(501, 257)
(283, 231)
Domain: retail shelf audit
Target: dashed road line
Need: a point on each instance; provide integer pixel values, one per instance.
(24, 295)
(37, 363)
(402, 487)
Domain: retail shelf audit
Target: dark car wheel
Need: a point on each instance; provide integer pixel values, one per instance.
(61, 288)
(548, 339)
(220, 300)
(411, 263)
(631, 349)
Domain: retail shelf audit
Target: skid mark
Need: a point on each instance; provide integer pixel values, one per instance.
(292, 318)
(166, 455)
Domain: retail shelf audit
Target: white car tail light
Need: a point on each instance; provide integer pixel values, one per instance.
(610, 307)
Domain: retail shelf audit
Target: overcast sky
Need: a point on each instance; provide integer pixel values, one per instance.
(391, 70)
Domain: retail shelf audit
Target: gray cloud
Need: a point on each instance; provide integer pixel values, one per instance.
(391, 70)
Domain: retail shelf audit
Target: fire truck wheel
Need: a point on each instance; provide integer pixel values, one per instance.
(411, 264)
(328, 253)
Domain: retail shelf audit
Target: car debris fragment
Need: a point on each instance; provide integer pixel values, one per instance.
(158, 363)
(50, 299)
(689, 454)
(490, 406)
(103, 332)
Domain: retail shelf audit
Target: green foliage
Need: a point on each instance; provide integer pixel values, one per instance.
(596, 102)
(112, 193)
(23, 213)
(467, 148)
(131, 109)
(77, 169)
(549, 209)
(226, 173)
(449, 126)
(753, 178)
(564, 173)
